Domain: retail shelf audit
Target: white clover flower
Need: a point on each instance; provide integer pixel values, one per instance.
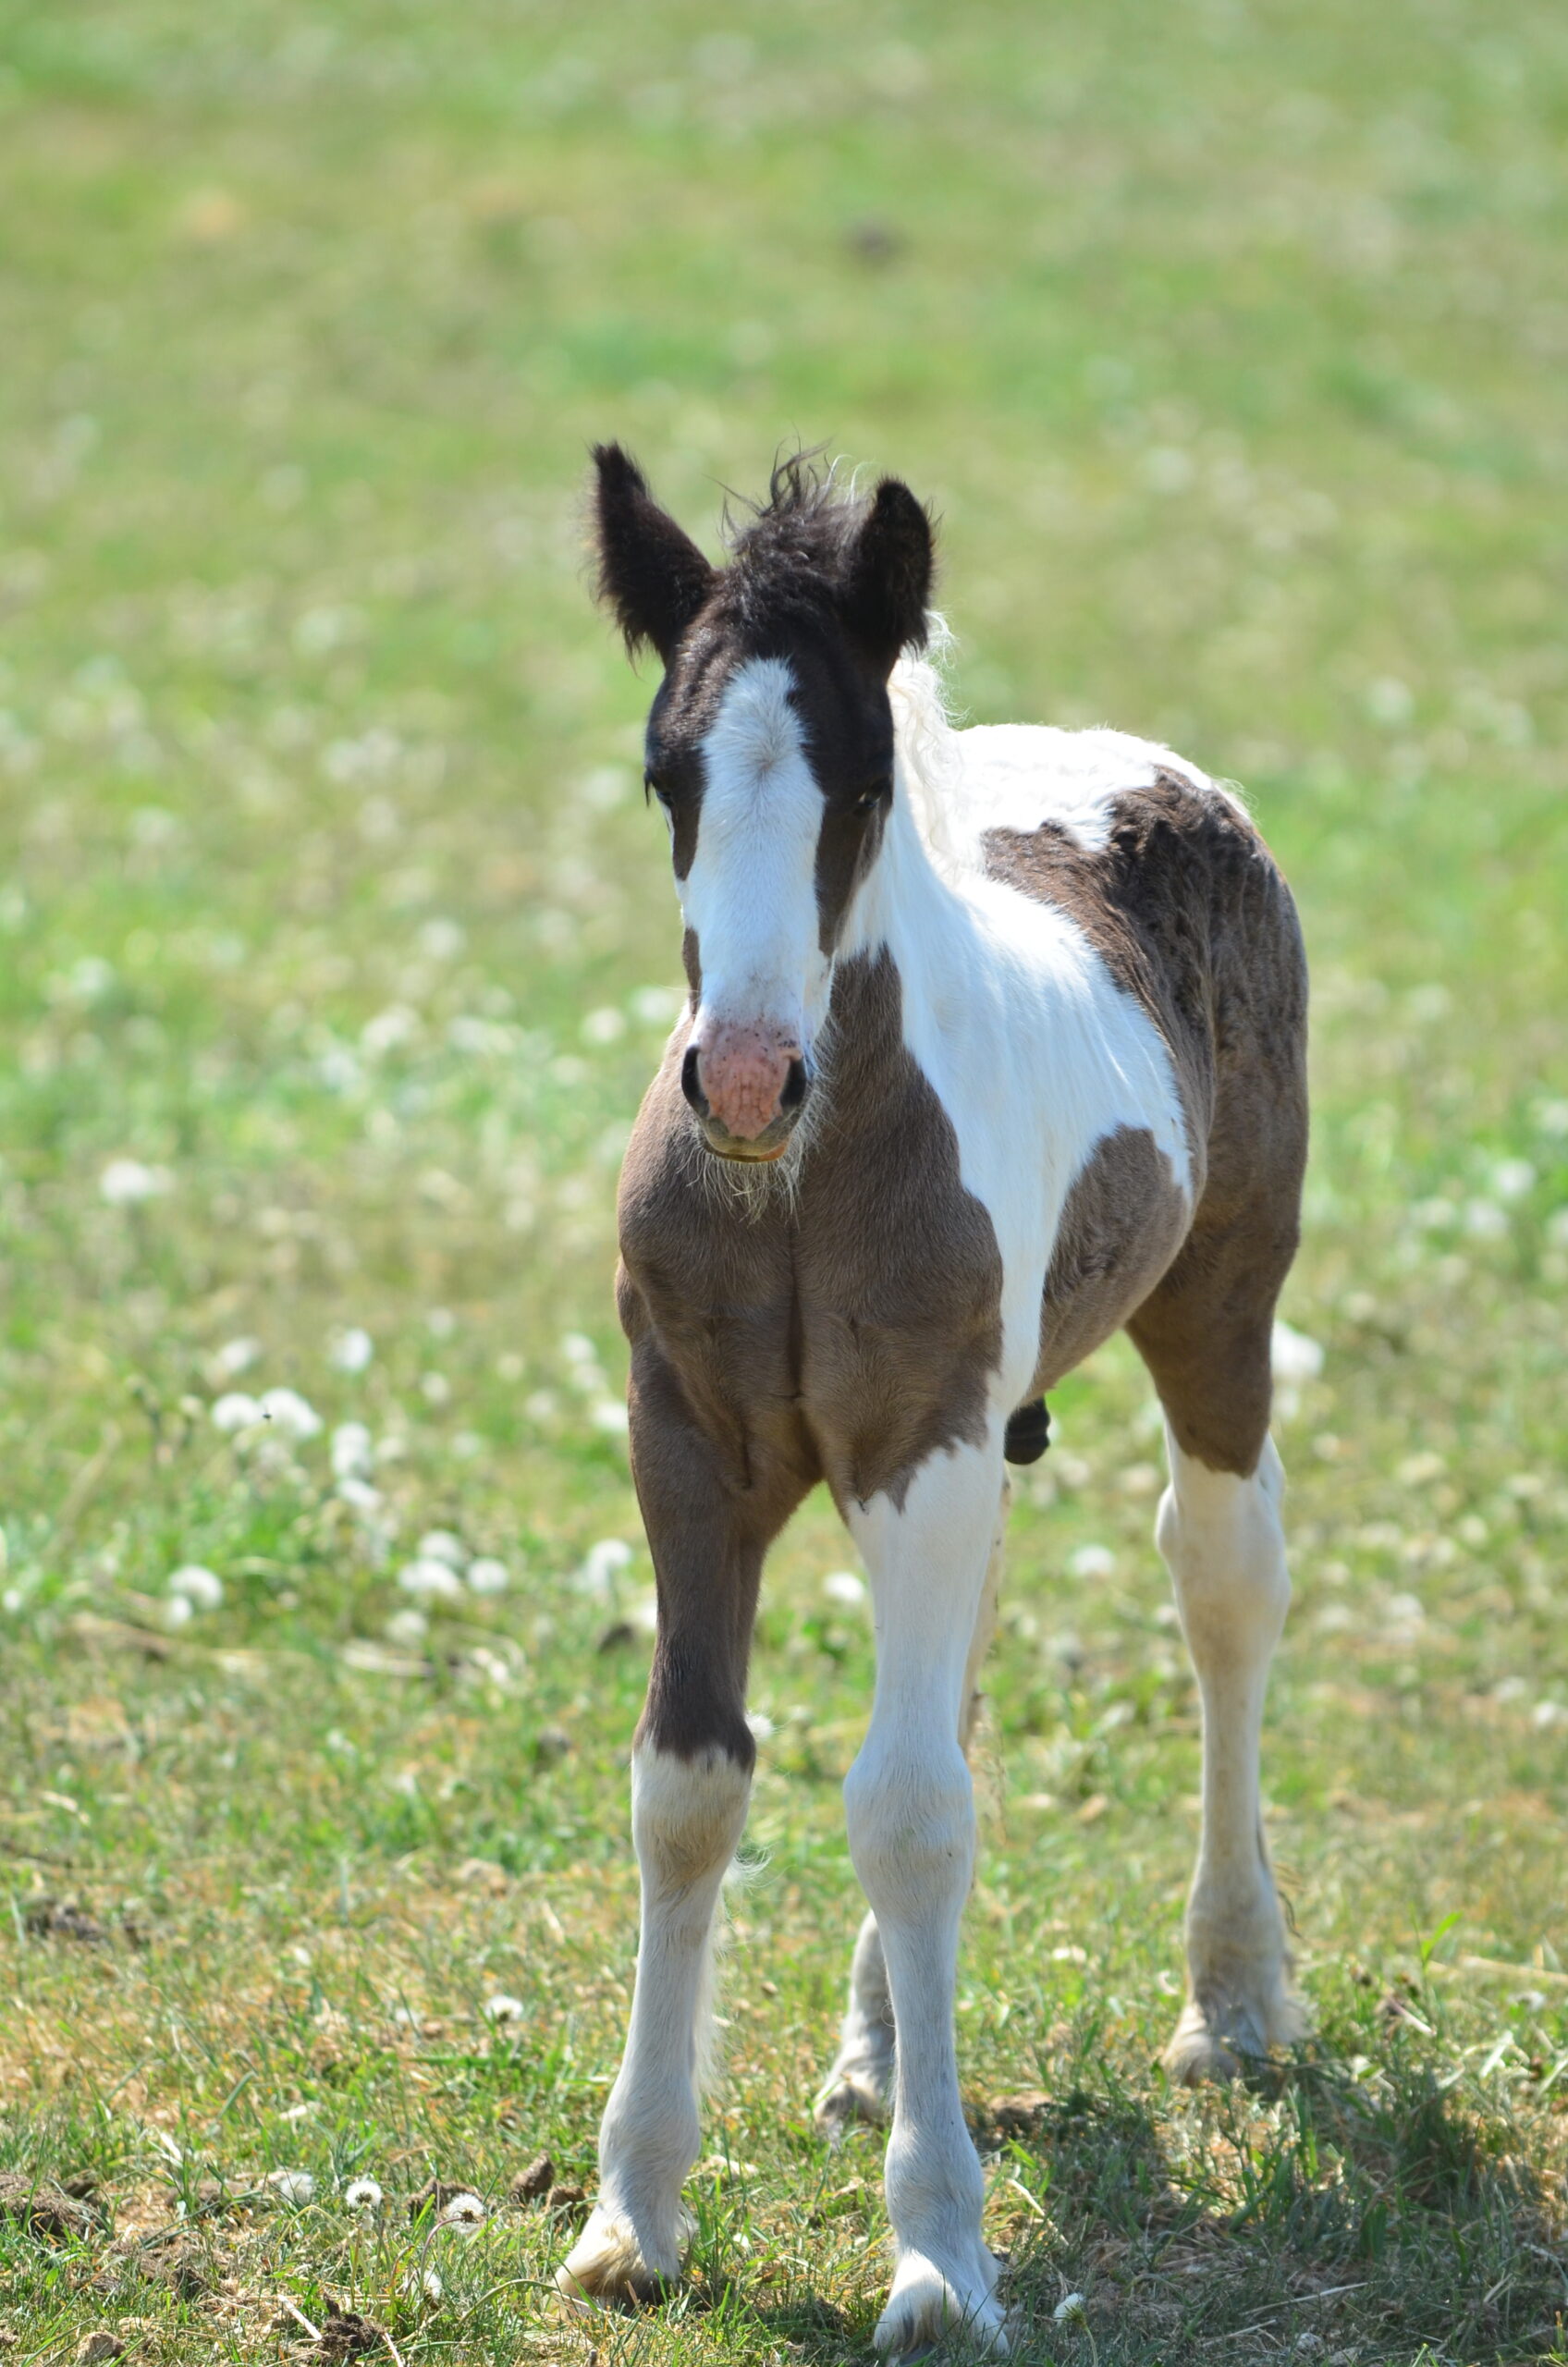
(441, 1545)
(431, 1581)
(237, 1411)
(408, 1627)
(352, 1452)
(179, 1611)
(234, 1357)
(125, 1183)
(294, 2187)
(604, 1565)
(1294, 1356)
(502, 2008)
(202, 1588)
(1092, 1561)
(489, 1576)
(843, 1586)
(352, 1349)
(294, 1416)
(362, 2194)
(465, 2212)
(360, 1496)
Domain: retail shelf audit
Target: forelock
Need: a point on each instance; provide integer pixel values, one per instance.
(786, 554)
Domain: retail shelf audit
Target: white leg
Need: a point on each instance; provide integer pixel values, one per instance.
(859, 2085)
(1224, 1544)
(687, 1819)
(911, 1835)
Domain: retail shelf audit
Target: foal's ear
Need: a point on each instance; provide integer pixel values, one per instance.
(887, 574)
(651, 574)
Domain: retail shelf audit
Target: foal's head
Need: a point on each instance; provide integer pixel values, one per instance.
(770, 748)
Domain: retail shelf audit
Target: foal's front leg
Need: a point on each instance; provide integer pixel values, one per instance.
(911, 1836)
(860, 2084)
(691, 1782)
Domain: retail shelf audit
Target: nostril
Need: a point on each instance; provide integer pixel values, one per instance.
(794, 1091)
(691, 1085)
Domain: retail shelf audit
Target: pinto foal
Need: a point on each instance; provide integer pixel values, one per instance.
(995, 1042)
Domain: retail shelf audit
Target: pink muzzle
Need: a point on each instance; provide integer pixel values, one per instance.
(747, 1082)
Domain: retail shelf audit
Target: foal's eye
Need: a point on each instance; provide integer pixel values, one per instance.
(651, 788)
(874, 794)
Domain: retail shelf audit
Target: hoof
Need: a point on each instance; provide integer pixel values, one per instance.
(1222, 2040)
(850, 2095)
(925, 2307)
(607, 2266)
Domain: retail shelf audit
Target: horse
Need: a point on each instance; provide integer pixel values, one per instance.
(994, 1044)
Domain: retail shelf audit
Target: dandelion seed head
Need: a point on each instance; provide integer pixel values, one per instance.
(1092, 1561)
(486, 1575)
(362, 2194)
(1070, 2305)
(408, 1629)
(845, 1587)
(352, 1452)
(352, 1349)
(465, 2211)
(125, 1183)
(237, 1411)
(234, 1357)
(502, 2008)
(1294, 1356)
(292, 1415)
(431, 1581)
(294, 2187)
(442, 1545)
(603, 1565)
(203, 1589)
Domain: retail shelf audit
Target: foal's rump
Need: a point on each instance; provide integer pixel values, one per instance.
(1180, 897)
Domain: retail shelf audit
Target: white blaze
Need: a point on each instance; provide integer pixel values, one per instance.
(751, 892)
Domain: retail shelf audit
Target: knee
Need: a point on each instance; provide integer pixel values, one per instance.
(911, 1820)
(687, 1815)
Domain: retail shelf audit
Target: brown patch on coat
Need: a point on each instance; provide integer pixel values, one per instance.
(842, 1328)
(901, 1274)
(1187, 907)
(1124, 1223)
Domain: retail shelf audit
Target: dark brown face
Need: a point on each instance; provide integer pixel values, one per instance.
(770, 749)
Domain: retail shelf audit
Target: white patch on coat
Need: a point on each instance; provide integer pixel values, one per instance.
(751, 892)
(1016, 1021)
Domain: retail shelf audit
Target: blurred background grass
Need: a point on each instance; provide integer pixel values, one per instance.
(336, 946)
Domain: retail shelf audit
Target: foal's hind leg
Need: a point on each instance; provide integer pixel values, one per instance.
(860, 2085)
(1223, 1542)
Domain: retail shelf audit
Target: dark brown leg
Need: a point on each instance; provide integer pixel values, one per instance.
(691, 1780)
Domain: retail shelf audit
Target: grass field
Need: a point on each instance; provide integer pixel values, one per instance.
(336, 945)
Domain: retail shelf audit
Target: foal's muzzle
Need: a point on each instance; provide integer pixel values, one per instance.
(750, 1112)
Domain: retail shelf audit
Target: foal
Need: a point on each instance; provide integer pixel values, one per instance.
(996, 1038)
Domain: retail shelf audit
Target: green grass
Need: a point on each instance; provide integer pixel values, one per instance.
(1230, 342)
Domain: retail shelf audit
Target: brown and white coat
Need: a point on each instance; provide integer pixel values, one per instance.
(994, 1044)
